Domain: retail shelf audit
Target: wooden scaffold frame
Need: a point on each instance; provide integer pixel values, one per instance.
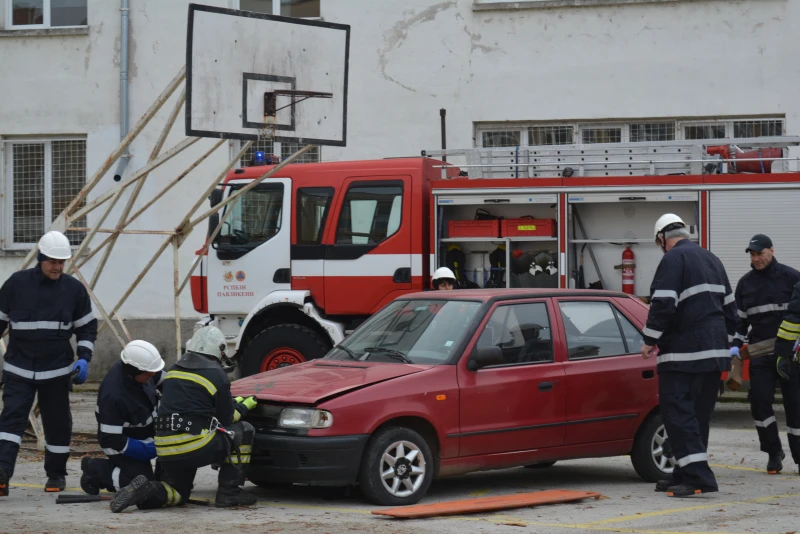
(174, 237)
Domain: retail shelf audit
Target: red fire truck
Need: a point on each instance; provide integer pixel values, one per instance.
(310, 253)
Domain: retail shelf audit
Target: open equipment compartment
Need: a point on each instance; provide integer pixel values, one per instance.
(527, 230)
(613, 220)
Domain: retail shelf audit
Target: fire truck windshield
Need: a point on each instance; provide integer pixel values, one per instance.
(410, 331)
(255, 219)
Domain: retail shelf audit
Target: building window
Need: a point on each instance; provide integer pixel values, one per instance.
(34, 14)
(550, 135)
(43, 177)
(616, 131)
(282, 149)
(704, 131)
(307, 9)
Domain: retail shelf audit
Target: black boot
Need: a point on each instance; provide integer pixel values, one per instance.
(228, 496)
(775, 463)
(87, 482)
(664, 485)
(3, 483)
(686, 490)
(139, 490)
(55, 484)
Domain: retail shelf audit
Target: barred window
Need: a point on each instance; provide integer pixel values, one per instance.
(704, 131)
(44, 176)
(652, 131)
(757, 128)
(601, 135)
(550, 135)
(501, 139)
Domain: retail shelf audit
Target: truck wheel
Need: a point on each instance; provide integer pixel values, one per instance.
(281, 346)
(397, 467)
(649, 458)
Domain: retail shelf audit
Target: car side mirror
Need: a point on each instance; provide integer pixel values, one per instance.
(485, 356)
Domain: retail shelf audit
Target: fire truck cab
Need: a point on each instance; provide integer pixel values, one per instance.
(311, 252)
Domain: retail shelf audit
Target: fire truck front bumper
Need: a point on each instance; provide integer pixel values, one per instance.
(318, 461)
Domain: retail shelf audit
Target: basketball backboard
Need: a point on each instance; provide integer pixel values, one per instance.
(249, 73)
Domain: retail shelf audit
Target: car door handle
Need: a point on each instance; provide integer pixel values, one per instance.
(648, 374)
(545, 386)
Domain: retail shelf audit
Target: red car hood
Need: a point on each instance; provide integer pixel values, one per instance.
(310, 383)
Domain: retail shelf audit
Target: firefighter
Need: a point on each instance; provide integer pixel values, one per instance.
(197, 425)
(786, 346)
(762, 296)
(44, 308)
(126, 407)
(443, 279)
(693, 319)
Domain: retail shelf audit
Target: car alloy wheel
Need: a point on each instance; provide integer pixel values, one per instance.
(402, 469)
(661, 457)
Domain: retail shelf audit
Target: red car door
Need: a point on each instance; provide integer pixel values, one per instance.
(607, 381)
(518, 404)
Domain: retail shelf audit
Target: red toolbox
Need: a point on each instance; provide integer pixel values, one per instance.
(489, 228)
(528, 227)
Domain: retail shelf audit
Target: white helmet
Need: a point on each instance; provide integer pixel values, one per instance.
(210, 341)
(443, 273)
(668, 221)
(142, 355)
(55, 245)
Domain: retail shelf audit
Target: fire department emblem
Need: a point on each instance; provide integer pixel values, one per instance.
(240, 276)
(228, 276)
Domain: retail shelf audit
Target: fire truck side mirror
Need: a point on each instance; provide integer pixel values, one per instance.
(214, 198)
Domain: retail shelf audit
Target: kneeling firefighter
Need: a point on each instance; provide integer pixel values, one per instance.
(127, 404)
(197, 425)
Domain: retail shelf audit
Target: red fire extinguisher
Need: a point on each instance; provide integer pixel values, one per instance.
(628, 270)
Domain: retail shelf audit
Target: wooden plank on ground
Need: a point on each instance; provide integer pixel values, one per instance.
(488, 504)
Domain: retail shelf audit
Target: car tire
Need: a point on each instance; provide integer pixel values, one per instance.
(647, 455)
(408, 480)
(282, 345)
(542, 465)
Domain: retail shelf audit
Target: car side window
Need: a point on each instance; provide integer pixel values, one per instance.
(633, 338)
(593, 330)
(522, 331)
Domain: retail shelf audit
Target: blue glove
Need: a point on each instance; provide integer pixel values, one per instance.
(735, 352)
(139, 450)
(82, 366)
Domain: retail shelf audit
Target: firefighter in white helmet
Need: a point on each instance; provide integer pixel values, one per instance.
(43, 308)
(443, 279)
(126, 407)
(693, 320)
(198, 424)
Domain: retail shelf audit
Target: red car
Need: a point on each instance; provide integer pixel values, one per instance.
(448, 382)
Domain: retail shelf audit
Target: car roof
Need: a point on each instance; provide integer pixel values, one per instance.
(487, 295)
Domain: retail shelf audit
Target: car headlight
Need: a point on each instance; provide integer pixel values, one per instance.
(305, 418)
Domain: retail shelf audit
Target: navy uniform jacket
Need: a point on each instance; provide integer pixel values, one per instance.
(692, 317)
(762, 298)
(196, 386)
(43, 315)
(789, 330)
(125, 409)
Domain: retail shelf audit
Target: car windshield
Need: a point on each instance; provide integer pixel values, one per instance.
(410, 331)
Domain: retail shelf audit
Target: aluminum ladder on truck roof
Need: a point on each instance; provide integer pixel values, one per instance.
(657, 158)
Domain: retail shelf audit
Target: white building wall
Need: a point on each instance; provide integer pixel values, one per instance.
(407, 60)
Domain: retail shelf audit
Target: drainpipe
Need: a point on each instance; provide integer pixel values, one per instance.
(123, 88)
